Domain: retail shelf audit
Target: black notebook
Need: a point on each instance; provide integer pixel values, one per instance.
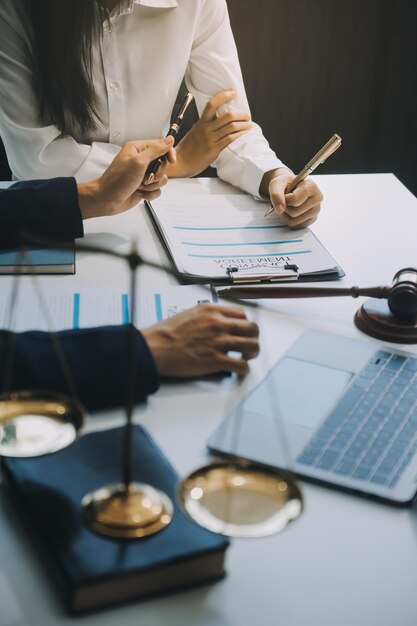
(93, 571)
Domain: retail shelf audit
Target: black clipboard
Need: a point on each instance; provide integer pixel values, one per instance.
(231, 274)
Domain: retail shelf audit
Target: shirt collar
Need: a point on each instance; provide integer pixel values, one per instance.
(158, 4)
(126, 6)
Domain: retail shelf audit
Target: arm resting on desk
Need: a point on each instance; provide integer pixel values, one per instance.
(97, 358)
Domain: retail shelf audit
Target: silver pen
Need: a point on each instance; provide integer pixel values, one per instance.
(331, 146)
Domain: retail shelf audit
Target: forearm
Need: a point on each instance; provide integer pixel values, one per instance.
(47, 208)
(97, 358)
(89, 199)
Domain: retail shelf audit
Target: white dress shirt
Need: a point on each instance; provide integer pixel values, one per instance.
(146, 49)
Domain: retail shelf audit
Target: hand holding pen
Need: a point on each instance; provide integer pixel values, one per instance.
(297, 199)
(173, 132)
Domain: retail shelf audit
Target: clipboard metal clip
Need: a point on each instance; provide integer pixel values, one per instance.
(231, 270)
(288, 272)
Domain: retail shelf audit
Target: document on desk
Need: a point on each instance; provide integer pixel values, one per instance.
(228, 238)
(65, 308)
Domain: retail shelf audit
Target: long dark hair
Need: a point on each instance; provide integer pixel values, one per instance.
(64, 33)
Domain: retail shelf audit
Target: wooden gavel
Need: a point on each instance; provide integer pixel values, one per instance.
(401, 296)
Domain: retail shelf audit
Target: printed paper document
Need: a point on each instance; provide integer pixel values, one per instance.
(207, 234)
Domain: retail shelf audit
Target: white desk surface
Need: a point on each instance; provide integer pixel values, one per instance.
(347, 561)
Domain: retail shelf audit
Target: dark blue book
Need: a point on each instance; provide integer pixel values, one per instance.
(93, 571)
(38, 261)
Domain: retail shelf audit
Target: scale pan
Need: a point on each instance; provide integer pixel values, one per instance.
(33, 423)
(241, 499)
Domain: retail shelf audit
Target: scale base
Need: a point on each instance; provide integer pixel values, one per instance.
(131, 512)
(374, 318)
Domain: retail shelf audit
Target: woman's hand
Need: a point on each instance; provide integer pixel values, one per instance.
(299, 208)
(209, 136)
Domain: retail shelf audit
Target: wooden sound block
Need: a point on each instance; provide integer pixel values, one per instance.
(374, 318)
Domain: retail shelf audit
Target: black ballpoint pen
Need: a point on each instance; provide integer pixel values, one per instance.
(173, 132)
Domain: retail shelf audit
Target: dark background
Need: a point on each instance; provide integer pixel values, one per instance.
(312, 68)
(316, 67)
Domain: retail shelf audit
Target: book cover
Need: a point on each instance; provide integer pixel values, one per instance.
(93, 571)
(37, 261)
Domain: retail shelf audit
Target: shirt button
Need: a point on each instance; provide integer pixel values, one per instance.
(115, 135)
(107, 30)
(113, 87)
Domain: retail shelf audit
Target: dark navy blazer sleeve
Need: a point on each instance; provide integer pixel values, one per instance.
(97, 359)
(46, 207)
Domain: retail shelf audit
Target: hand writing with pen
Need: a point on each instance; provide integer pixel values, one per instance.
(296, 198)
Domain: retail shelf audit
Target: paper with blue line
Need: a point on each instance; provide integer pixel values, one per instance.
(207, 234)
(69, 308)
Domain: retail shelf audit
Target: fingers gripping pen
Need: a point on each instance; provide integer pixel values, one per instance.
(173, 132)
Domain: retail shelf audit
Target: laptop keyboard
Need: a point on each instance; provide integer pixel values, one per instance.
(371, 434)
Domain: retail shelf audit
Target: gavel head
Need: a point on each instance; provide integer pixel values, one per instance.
(402, 296)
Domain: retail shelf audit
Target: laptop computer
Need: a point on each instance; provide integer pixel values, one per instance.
(349, 412)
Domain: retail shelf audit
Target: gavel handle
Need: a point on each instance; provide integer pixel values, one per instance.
(248, 292)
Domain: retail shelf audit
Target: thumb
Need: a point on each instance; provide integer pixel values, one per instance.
(157, 147)
(152, 148)
(277, 189)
